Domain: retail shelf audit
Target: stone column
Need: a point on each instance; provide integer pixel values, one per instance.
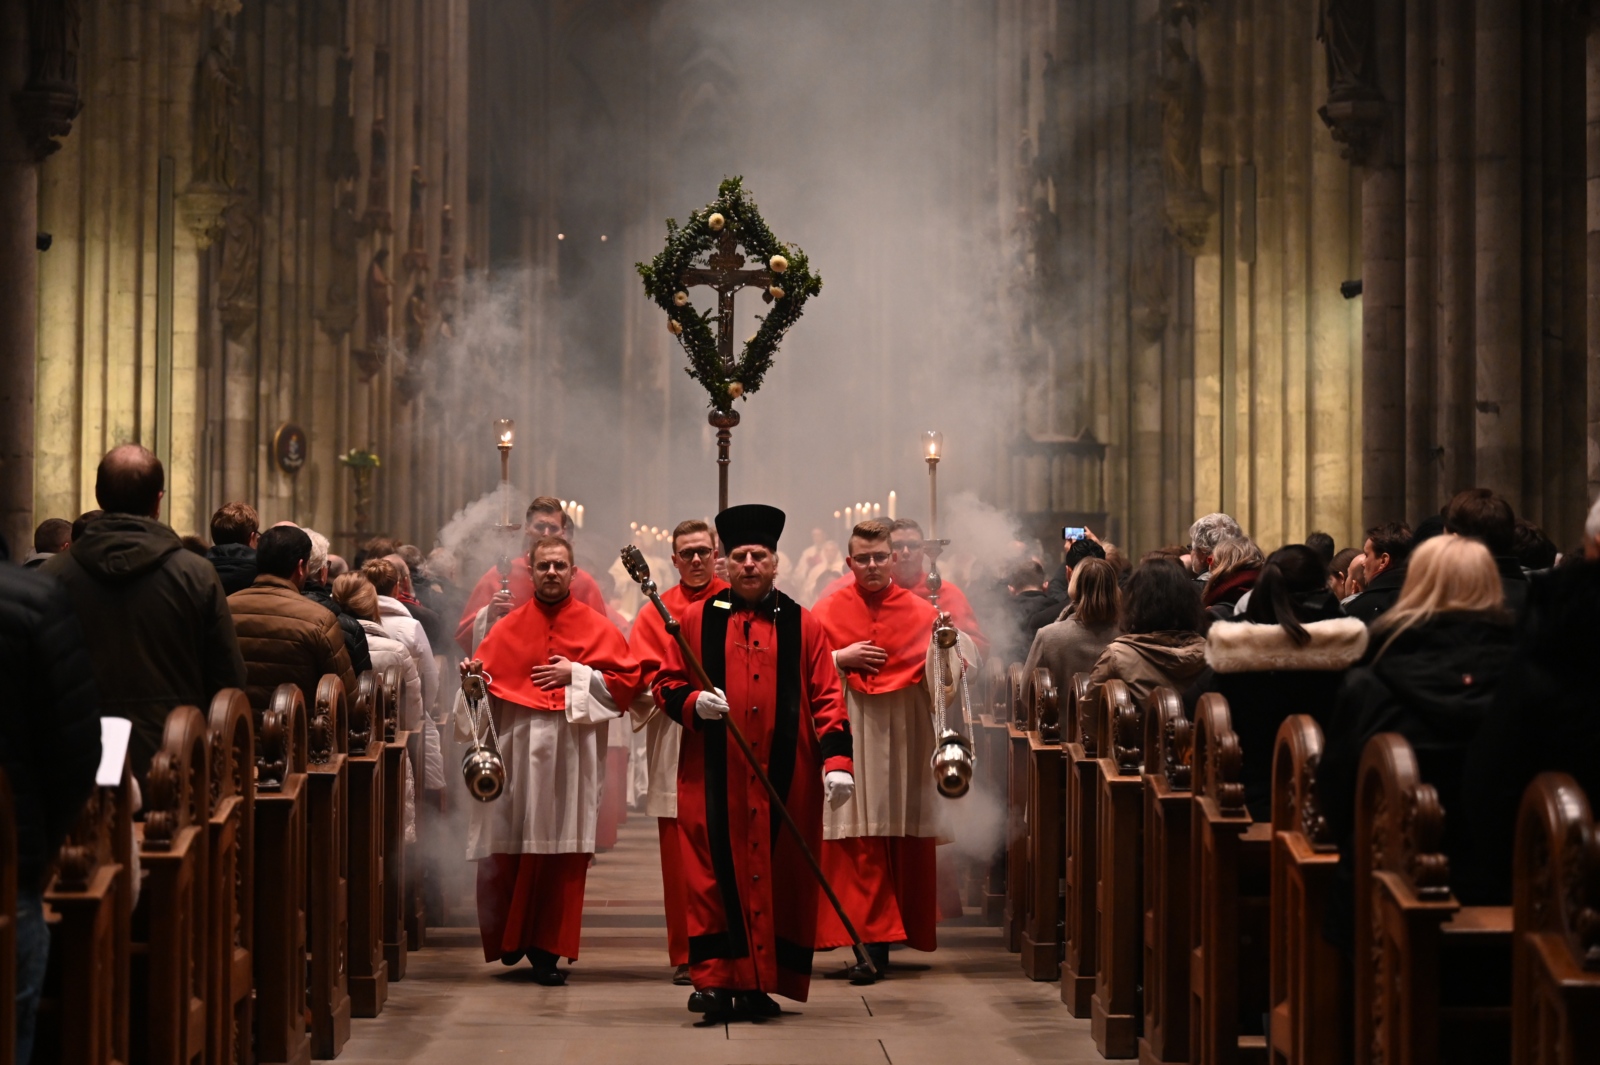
(1383, 337)
(38, 100)
(1593, 266)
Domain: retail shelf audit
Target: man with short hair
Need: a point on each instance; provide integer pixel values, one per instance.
(1323, 545)
(286, 638)
(1488, 518)
(234, 530)
(53, 536)
(557, 673)
(1383, 561)
(319, 589)
(1031, 606)
(545, 517)
(694, 556)
(154, 616)
(911, 573)
(752, 898)
(879, 849)
(1204, 536)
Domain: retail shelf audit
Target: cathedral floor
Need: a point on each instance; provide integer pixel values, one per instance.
(967, 1002)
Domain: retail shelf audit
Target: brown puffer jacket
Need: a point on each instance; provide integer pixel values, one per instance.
(1146, 661)
(286, 639)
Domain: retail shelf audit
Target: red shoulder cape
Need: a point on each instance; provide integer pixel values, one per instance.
(531, 633)
(892, 618)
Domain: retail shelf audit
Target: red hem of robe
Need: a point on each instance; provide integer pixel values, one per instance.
(674, 891)
(889, 887)
(528, 901)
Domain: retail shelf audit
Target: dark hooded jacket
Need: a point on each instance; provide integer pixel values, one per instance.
(1545, 717)
(49, 715)
(236, 565)
(1434, 686)
(156, 623)
(1381, 593)
(355, 637)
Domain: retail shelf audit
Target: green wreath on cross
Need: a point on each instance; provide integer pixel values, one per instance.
(735, 213)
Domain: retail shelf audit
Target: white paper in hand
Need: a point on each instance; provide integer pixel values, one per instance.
(114, 735)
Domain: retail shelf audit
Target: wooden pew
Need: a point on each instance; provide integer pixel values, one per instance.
(83, 1017)
(1168, 755)
(8, 925)
(281, 840)
(1016, 808)
(1119, 810)
(396, 757)
(1428, 969)
(231, 880)
(327, 892)
(171, 959)
(1041, 931)
(1555, 988)
(991, 743)
(1229, 900)
(1080, 856)
(1307, 975)
(369, 973)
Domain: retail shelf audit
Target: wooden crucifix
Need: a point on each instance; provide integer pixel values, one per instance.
(724, 275)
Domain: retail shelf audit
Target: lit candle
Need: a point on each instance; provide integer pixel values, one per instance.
(580, 515)
(877, 510)
(891, 504)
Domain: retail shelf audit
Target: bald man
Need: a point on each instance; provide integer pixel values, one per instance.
(154, 616)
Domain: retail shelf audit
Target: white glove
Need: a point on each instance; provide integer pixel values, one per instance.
(841, 786)
(711, 705)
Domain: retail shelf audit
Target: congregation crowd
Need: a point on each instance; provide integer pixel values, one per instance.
(1466, 634)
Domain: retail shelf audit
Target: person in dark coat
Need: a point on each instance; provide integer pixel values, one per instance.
(1385, 552)
(154, 616)
(1488, 518)
(49, 747)
(319, 589)
(1431, 675)
(235, 529)
(1286, 654)
(1545, 716)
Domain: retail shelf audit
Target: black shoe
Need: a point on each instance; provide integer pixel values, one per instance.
(545, 972)
(680, 976)
(512, 958)
(861, 974)
(714, 1002)
(756, 1004)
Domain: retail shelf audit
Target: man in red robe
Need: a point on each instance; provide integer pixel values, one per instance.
(911, 573)
(694, 554)
(544, 518)
(557, 674)
(879, 847)
(752, 897)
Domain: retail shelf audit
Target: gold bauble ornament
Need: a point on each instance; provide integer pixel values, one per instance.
(680, 298)
(777, 293)
(674, 327)
(736, 390)
(778, 264)
(716, 222)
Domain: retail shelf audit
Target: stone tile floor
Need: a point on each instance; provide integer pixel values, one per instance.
(967, 1003)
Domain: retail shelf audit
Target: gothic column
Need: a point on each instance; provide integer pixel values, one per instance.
(1592, 106)
(38, 100)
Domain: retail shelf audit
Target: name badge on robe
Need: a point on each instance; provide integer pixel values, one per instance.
(721, 605)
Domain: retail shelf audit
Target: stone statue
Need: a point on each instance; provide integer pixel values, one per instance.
(344, 236)
(417, 315)
(1181, 91)
(216, 115)
(380, 300)
(1345, 29)
(241, 267)
(417, 226)
(54, 33)
(377, 216)
(446, 288)
(343, 163)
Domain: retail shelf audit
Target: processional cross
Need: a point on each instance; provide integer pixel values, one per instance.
(724, 274)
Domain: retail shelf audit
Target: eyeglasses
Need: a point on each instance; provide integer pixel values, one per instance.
(691, 554)
(877, 558)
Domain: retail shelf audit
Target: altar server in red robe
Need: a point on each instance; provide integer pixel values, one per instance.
(752, 898)
(557, 673)
(911, 573)
(694, 555)
(879, 849)
(544, 518)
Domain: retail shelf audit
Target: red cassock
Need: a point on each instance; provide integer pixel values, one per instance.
(952, 600)
(584, 590)
(651, 646)
(886, 883)
(752, 898)
(532, 897)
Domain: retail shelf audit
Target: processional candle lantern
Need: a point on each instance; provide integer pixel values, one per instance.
(505, 435)
(932, 452)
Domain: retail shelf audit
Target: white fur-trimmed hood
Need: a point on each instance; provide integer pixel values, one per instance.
(1241, 647)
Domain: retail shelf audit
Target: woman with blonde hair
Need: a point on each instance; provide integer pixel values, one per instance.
(1430, 674)
(1073, 644)
(1235, 564)
(359, 599)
